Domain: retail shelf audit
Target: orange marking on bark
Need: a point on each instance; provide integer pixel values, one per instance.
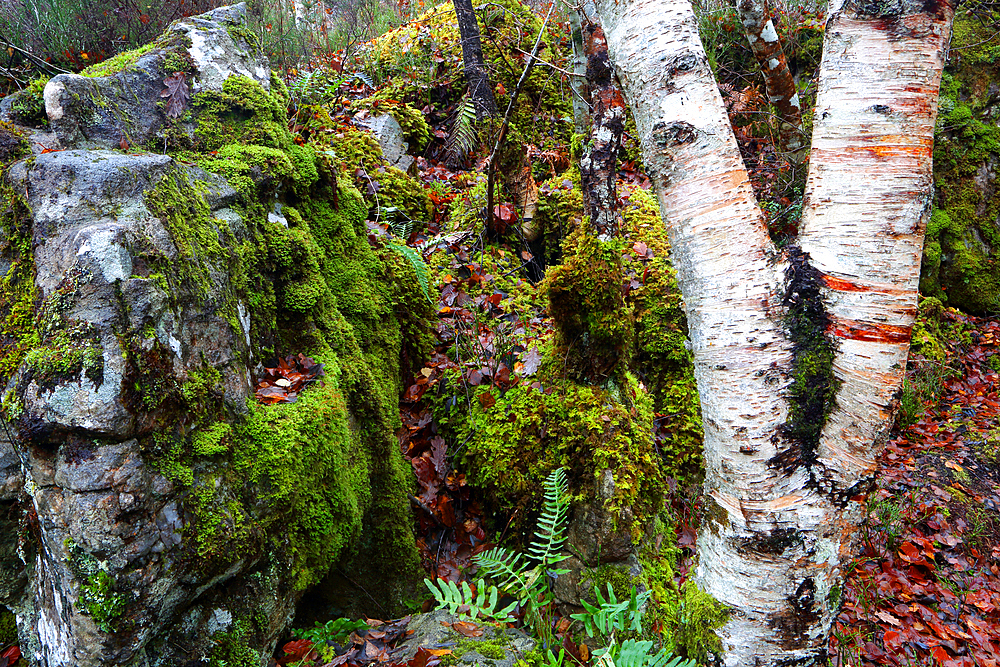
(873, 332)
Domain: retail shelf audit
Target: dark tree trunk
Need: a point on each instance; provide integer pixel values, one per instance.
(599, 162)
(478, 78)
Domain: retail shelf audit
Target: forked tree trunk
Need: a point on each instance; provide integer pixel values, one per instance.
(778, 82)
(787, 463)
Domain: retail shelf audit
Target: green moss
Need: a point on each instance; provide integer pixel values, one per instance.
(662, 359)
(515, 439)
(384, 186)
(962, 248)
(97, 595)
(416, 131)
(28, 107)
(242, 113)
(8, 628)
(213, 440)
(18, 292)
(812, 392)
(232, 648)
(594, 327)
(118, 63)
(65, 354)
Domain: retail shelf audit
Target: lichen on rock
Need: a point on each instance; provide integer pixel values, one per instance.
(141, 294)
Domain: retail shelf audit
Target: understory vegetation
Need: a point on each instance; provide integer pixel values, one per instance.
(530, 375)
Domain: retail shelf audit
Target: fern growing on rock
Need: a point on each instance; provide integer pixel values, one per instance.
(523, 577)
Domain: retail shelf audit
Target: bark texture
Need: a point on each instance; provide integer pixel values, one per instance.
(476, 75)
(578, 83)
(799, 353)
(778, 81)
(599, 162)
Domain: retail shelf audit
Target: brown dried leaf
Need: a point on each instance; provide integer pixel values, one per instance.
(177, 94)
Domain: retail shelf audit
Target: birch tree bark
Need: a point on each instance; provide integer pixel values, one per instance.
(798, 353)
(778, 82)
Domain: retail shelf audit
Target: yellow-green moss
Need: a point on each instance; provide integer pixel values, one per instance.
(212, 440)
(29, 107)
(18, 292)
(662, 360)
(241, 113)
(512, 443)
(384, 186)
(416, 131)
(594, 326)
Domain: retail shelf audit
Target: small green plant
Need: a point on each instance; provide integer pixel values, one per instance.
(526, 579)
(610, 618)
(336, 630)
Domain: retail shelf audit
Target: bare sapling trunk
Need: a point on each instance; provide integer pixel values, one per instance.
(599, 161)
(476, 75)
(778, 82)
(578, 82)
(800, 352)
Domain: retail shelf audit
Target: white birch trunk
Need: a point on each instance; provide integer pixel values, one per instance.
(780, 513)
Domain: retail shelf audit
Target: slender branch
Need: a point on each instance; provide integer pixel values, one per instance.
(491, 175)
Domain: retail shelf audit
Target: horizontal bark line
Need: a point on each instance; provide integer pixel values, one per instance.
(873, 332)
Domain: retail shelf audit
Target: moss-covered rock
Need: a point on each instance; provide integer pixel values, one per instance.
(132, 327)
(962, 247)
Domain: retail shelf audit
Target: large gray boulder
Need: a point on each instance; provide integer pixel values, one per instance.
(126, 108)
(152, 511)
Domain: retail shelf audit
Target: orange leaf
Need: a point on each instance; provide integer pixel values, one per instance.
(467, 629)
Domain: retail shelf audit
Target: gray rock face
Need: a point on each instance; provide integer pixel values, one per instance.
(389, 134)
(102, 112)
(151, 303)
(499, 648)
(100, 508)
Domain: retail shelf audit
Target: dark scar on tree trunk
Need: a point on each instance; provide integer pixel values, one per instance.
(811, 395)
(792, 624)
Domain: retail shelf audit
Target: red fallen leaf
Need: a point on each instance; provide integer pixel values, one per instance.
(467, 629)
(640, 248)
(487, 400)
(892, 640)
(295, 651)
(425, 658)
(12, 655)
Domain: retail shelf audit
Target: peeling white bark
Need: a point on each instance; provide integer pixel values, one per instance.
(775, 535)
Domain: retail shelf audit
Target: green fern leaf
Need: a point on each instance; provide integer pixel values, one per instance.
(419, 266)
(463, 137)
(552, 522)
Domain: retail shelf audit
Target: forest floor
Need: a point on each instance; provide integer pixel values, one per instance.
(925, 590)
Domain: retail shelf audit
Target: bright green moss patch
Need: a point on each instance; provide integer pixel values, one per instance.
(18, 293)
(242, 113)
(213, 440)
(98, 597)
(515, 439)
(594, 326)
(962, 247)
(29, 106)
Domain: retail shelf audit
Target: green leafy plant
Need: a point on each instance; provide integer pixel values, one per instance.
(417, 262)
(609, 618)
(336, 630)
(524, 578)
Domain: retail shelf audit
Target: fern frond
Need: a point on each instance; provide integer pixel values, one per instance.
(463, 601)
(636, 653)
(552, 523)
(509, 572)
(419, 266)
(462, 138)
